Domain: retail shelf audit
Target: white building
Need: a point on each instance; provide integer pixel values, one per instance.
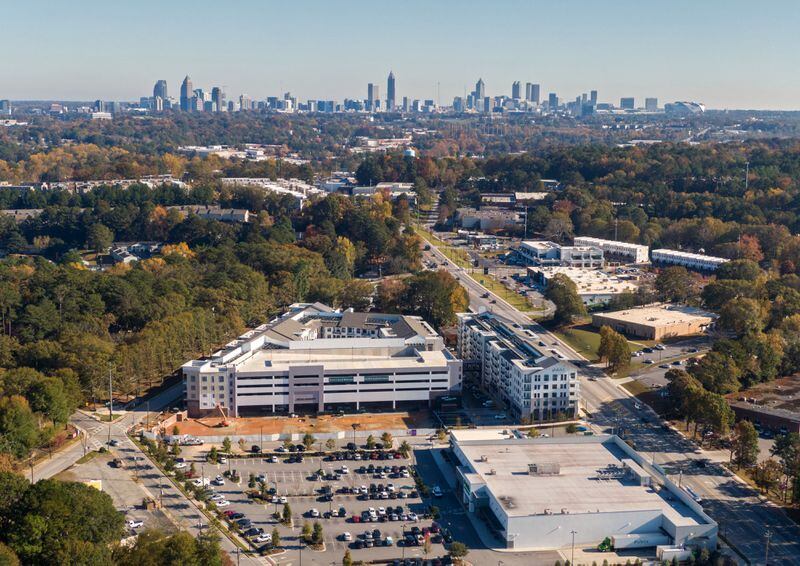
(295, 188)
(595, 287)
(533, 384)
(542, 252)
(697, 262)
(635, 253)
(537, 493)
(320, 359)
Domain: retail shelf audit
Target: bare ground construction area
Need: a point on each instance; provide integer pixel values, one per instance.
(378, 422)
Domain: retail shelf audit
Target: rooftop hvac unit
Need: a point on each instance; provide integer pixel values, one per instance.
(492, 472)
(544, 469)
(484, 459)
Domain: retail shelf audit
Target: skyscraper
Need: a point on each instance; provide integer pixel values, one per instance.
(627, 103)
(593, 97)
(516, 89)
(552, 101)
(651, 104)
(534, 93)
(390, 92)
(186, 94)
(218, 99)
(373, 97)
(480, 89)
(160, 90)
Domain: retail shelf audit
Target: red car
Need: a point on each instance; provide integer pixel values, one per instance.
(356, 518)
(229, 512)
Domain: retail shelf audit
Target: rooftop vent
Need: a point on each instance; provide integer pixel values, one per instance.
(544, 469)
(484, 459)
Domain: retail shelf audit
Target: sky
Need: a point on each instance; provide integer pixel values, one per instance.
(724, 53)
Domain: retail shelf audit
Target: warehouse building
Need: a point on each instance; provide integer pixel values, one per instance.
(595, 287)
(531, 383)
(633, 253)
(696, 262)
(537, 493)
(655, 322)
(316, 359)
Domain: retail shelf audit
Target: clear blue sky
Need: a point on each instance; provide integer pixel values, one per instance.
(726, 53)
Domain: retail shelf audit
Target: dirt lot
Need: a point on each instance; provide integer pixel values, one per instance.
(210, 426)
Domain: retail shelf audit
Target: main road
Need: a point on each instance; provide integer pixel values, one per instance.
(747, 522)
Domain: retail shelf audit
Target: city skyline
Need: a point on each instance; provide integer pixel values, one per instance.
(724, 55)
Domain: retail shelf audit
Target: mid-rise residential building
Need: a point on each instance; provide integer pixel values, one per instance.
(697, 262)
(543, 252)
(634, 253)
(318, 359)
(213, 212)
(534, 385)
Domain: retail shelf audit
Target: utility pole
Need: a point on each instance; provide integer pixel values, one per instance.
(572, 560)
(110, 403)
(768, 535)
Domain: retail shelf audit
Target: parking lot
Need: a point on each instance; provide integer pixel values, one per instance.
(381, 490)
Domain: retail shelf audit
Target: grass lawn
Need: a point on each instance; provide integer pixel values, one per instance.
(585, 339)
(87, 457)
(636, 388)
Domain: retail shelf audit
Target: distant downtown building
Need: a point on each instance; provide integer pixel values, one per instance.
(533, 384)
(160, 90)
(391, 100)
(186, 94)
(317, 359)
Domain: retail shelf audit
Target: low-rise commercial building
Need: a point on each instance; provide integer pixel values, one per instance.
(488, 218)
(634, 253)
(654, 322)
(539, 493)
(319, 359)
(697, 262)
(533, 384)
(595, 287)
(543, 253)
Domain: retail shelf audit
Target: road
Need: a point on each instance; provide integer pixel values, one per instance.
(743, 517)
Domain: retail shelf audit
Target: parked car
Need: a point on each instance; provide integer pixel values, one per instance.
(437, 491)
(135, 523)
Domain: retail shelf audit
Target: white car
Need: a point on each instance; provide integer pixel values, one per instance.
(135, 523)
(222, 460)
(413, 517)
(223, 503)
(500, 416)
(273, 459)
(381, 511)
(364, 490)
(219, 480)
(344, 470)
(217, 497)
(373, 514)
(390, 488)
(200, 482)
(437, 491)
(346, 536)
(282, 499)
(180, 465)
(314, 512)
(263, 537)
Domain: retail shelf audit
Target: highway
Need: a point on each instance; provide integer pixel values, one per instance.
(743, 517)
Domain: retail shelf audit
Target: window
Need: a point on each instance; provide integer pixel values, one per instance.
(341, 379)
(376, 378)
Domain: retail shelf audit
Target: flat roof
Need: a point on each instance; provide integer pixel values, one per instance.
(661, 315)
(589, 281)
(576, 488)
(280, 359)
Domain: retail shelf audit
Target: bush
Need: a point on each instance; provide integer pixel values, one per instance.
(572, 428)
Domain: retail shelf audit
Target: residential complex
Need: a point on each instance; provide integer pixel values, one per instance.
(548, 493)
(632, 253)
(318, 359)
(542, 252)
(655, 322)
(595, 286)
(697, 262)
(531, 383)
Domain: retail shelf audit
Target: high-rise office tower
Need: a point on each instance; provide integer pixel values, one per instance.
(5, 107)
(627, 103)
(480, 90)
(158, 104)
(245, 102)
(99, 106)
(651, 104)
(583, 98)
(593, 97)
(534, 93)
(218, 99)
(186, 94)
(390, 92)
(406, 104)
(160, 90)
(552, 101)
(487, 104)
(373, 96)
(516, 90)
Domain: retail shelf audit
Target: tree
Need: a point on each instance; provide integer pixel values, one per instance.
(12, 488)
(405, 449)
(675, 284)
(155, 547)
(717, 373)
(533, 432)
(305, 533)
(276, 538)
(370, 442)
(287, 514)
(7, 556)
(744, 444)
(742, 315)
(212, 455)
(347, 560)
(717, 413)
(308, 440)
(330, 444)
(436, 296)
(226, 445)
(387, 440)
(19, 429)
(317, 535)
(563, 292)
(614, 349)
(458, 550)
(767, 474)
(99, 238)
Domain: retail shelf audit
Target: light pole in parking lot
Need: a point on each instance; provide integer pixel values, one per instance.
(572, 559)
(768, 535)
(404, 541)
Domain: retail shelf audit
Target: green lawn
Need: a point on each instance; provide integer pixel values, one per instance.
(585, 339)
(636, 388)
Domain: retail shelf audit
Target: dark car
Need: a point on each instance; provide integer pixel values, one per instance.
(244, 523)
(255, 449)
(351, 446)
(342, 512)
(236, 516)
(300, 447)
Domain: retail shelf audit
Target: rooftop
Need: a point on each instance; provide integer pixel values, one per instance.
(590, 281)
(661, 315)
(574, 476)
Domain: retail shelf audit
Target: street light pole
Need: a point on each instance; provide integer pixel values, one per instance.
(572, 560)
(768, 534)
(110, 403)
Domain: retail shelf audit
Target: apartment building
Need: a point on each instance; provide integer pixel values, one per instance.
(634, 253)
(697, 262)
(533, 384)
(314, 358)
